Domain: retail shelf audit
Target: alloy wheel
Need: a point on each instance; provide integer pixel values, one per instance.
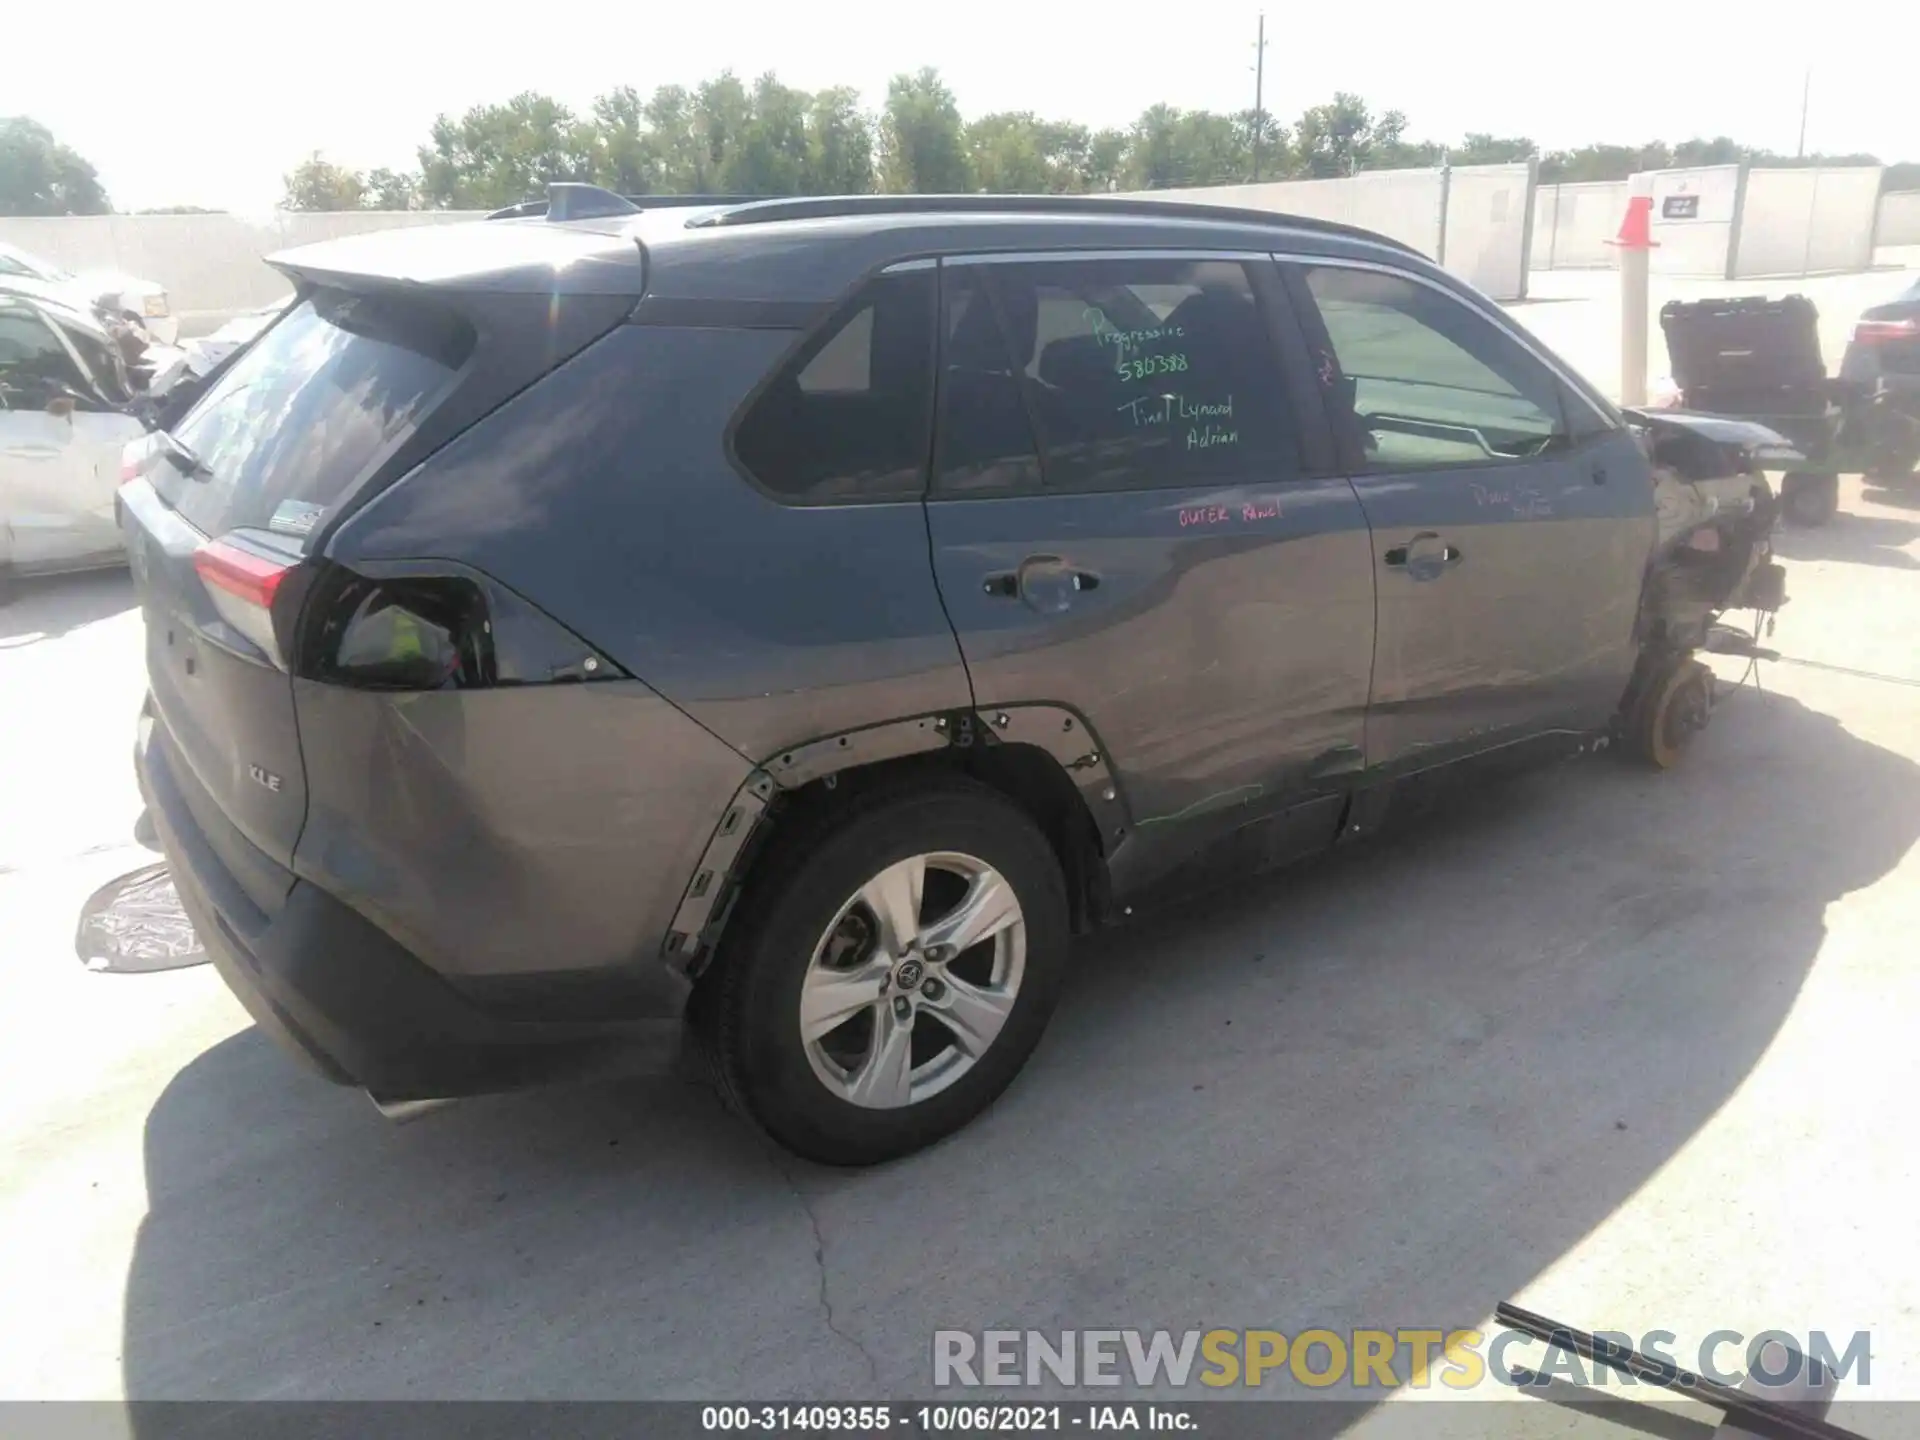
(913, 980)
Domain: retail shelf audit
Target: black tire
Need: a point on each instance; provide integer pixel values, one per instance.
(746, 1012)
(1674, 708)
(1809, 501)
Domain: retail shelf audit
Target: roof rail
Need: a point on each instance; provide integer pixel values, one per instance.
(585, 202)
(821, 207)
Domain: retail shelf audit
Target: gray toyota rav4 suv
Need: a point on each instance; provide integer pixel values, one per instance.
(792, 621)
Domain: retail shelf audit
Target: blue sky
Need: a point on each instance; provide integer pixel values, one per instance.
(210, 102)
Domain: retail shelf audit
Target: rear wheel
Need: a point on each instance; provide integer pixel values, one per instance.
(1809, 500)
(894, 977)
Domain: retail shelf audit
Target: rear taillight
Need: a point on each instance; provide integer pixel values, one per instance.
(242, 585)
(419, 633)
(1880, 332)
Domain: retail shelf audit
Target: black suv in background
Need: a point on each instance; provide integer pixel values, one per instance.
(1883, 355)
(799, 617)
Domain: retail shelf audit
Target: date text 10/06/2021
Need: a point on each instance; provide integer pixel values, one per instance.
(946, 1419)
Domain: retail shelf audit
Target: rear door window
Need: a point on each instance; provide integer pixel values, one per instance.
(1136, 374)
(317, 402)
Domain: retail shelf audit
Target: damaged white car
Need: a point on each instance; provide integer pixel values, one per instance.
(67, 413)
(127, 296)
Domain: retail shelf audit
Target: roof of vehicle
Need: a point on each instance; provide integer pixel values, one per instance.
(54, 301)
(799, 250)
(38, 263)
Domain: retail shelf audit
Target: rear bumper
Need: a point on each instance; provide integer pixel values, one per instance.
(347, 998)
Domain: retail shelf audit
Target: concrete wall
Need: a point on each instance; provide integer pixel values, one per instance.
(1488, 224)
(1807, 221)
(1574, 223)
(1402, 204)
(1474, 220)
(1899, 218)
(211, 264)
(1694, 214)
(1724, 223)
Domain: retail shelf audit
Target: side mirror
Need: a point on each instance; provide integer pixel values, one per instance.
(61, 407)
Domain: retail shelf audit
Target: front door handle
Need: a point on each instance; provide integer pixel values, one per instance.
(1044, 582)
(1425, 557)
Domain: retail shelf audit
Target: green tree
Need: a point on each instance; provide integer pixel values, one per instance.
(1344, 136)
(678, 152)
(41, 176)
(1173, 147)
(722, 114)
(1271, 156)
(1483, 149)
(1107, 152)
(501, 154)
(1602, 162)
(1721, 150)
(765, 149)
(391, 190)
(318, 184)
(1016, 152)
(922, 141)
(1005, 155)
(625, 159)
(839, 144)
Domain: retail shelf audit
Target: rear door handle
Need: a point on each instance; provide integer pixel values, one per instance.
(1045, 582)
(1424, 557)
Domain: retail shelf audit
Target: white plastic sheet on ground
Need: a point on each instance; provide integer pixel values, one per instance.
(135, 924)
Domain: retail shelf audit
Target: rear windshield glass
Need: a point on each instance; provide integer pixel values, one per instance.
(303, 413)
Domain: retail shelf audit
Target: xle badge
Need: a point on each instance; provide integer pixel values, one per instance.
(264, 777)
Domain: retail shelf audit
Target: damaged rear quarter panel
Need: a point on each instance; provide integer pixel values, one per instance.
(529, 830)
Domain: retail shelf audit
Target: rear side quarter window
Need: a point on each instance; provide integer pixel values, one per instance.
(848, 416)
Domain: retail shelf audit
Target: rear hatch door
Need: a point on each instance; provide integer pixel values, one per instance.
(219, 517)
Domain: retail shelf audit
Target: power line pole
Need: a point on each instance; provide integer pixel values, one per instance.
(1259, 86)
(1806, 93)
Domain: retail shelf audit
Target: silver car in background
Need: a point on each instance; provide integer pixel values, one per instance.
(128, 296)
(67, 413)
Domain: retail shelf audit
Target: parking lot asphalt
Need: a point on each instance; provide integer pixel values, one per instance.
(1633, 1049)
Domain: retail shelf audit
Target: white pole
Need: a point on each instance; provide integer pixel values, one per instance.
(1634, 303)
(1636, 252)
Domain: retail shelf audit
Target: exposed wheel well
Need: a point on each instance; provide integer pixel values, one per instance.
(1025, 774)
